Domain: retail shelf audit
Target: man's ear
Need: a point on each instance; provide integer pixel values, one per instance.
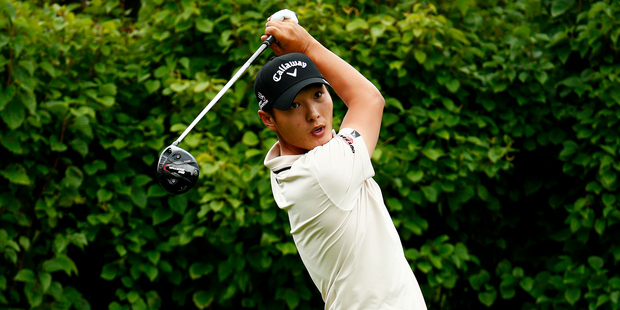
(267, 120)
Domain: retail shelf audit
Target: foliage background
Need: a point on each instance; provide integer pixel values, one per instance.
(498, 154)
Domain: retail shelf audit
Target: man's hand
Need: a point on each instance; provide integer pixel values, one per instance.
(290, 36)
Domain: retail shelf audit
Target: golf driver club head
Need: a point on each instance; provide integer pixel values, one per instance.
(177, 170)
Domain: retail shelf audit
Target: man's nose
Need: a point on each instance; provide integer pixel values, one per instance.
(312, 112)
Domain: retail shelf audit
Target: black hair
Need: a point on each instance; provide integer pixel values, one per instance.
(269, 110)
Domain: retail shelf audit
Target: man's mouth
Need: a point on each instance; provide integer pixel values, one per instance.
(318, 130)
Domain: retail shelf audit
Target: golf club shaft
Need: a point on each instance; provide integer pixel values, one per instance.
(219, 95)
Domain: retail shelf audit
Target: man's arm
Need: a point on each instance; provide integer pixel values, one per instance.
(364, 101)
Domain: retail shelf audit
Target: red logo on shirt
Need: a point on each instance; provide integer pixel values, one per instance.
(349, 141)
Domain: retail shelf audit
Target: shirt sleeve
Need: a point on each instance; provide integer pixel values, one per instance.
(341, 167)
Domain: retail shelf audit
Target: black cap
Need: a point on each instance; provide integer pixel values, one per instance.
(278, 81)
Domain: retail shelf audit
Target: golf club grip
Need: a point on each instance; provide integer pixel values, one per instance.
(270, 39)
(219, 95)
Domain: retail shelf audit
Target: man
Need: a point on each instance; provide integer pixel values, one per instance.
(340, 225)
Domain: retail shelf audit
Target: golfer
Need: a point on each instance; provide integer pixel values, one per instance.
(323, 179)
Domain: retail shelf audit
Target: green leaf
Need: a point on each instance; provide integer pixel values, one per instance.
(45, 280)
(570, 147)
(178, 203)
(24, 242)
(287, 248)
(14, 114)
(120, 249)
(433, 154)
(60, 244)
(160, 36)
(107, 89)
(203, 299)
(355, 24)
(487, 298)
(28, 65)
(449, 104)
(104, 195)
(178, 127)
(141, 180)
(496, 154)
(527, 284)
(483, 193)
(25, 275)
(541, 76)
(115, 306)
(478, 280)
(445, 250)
(599, 226)
(152, 85)
(33, 294)
(161, 215)
(558, 7)
(376, 32)
(453, 86)
(80, 146)
(415, 175)
(155, 191)
(609, 149)
(507, 289)
(608, 179)
(200, 87)
(557, 136)
(12, 141)
(394, 204)
(107, 101)
(108, 272)
(424, 266)
(151, 272)
(389, 119)
(184, 61)
(609, 199)
(204, 25)
(180, 87)
(198, 269)
(6, 95)
(292, 298)
(572, 295)
(48, 68)
(420, 56)
(393, 102)
(139, 196)
(252, 152)
(29, 101)
(73, 177)
(56, 145)
(16, 173)
(444, 134)
(95, 166)
(596, 262)
(430, 192)
(249, 138)
(60, 262)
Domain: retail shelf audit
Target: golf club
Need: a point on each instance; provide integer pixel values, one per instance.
(177, 169)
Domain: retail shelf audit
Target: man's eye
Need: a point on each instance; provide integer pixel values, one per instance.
(318, 94)
(294, 105)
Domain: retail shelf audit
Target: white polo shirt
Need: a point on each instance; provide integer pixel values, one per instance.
(341, 227)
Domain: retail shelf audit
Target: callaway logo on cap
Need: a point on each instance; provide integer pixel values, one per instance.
(278, 82)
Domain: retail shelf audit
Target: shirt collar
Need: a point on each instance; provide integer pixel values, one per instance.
(277, 162)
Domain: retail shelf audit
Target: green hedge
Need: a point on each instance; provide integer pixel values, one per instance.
(498, 155)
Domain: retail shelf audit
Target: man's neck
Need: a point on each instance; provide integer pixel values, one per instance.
(286, 149)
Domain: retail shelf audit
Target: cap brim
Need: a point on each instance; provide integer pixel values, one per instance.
(286, 99)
